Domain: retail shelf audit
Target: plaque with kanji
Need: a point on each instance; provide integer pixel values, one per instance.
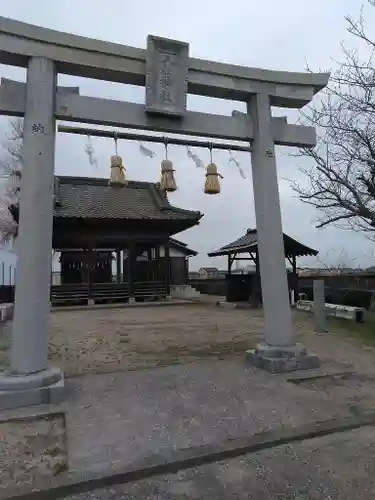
(166, 76)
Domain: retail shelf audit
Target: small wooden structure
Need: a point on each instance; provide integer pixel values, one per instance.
(95, 224)
(244, 287)
(180, 254)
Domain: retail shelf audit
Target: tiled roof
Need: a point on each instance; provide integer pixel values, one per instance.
(92, 198)
(182, 247)
(249, 242)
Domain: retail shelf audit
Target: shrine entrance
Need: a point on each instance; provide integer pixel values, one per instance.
(168, 74)
(74, 270)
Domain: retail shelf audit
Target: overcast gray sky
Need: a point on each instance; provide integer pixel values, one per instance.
(272, 34)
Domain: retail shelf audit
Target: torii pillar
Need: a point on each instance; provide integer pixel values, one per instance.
(29, 380)
(279, 352)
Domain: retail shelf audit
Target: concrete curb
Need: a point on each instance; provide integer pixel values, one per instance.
(236, 305)
(308, 378)
(239, 305)
(174, 461)
(31, 412)
(226, 305)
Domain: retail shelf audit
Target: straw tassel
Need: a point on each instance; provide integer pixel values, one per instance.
(212, 184)
(167, 181)
(117, 178)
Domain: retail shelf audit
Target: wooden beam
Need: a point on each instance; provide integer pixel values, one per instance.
(89, 58)
(244, 258)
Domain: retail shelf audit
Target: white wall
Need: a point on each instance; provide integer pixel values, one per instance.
(173, 252)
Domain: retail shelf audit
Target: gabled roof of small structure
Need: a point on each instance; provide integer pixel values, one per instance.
(249, 243)
(180, 245)
(92, 198)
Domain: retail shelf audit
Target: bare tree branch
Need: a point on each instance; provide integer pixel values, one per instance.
(341, 175)
(337, 263)
(10, 174)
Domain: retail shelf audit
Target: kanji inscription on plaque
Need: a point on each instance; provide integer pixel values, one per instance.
(166, 76)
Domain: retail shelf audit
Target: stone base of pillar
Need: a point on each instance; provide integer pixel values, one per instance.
(168, 297)
(282, 359)
(91, 302)
(45, 387)
(131, 300)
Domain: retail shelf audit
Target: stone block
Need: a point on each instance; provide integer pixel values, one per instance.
(46, 387)
(278, 359)
(166, 76)
(6, 312)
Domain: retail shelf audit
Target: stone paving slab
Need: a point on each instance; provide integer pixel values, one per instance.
(119, 418)
(334, 467)
(172, 462)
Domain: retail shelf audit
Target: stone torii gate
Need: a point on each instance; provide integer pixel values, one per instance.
(169, 74)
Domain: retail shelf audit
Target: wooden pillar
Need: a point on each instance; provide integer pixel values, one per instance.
(51, 280)
(230, 262)
(118, 266)
(131, 262)
(295, 280)
(50, 287)
(62, 268)
(256, 295)
(167, 269)
(89, 267)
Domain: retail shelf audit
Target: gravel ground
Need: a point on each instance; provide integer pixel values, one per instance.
(110, 340)
(115, 340)
(32, 450)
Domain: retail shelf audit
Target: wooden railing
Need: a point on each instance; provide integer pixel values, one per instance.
(149, 290)
(107, 292)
